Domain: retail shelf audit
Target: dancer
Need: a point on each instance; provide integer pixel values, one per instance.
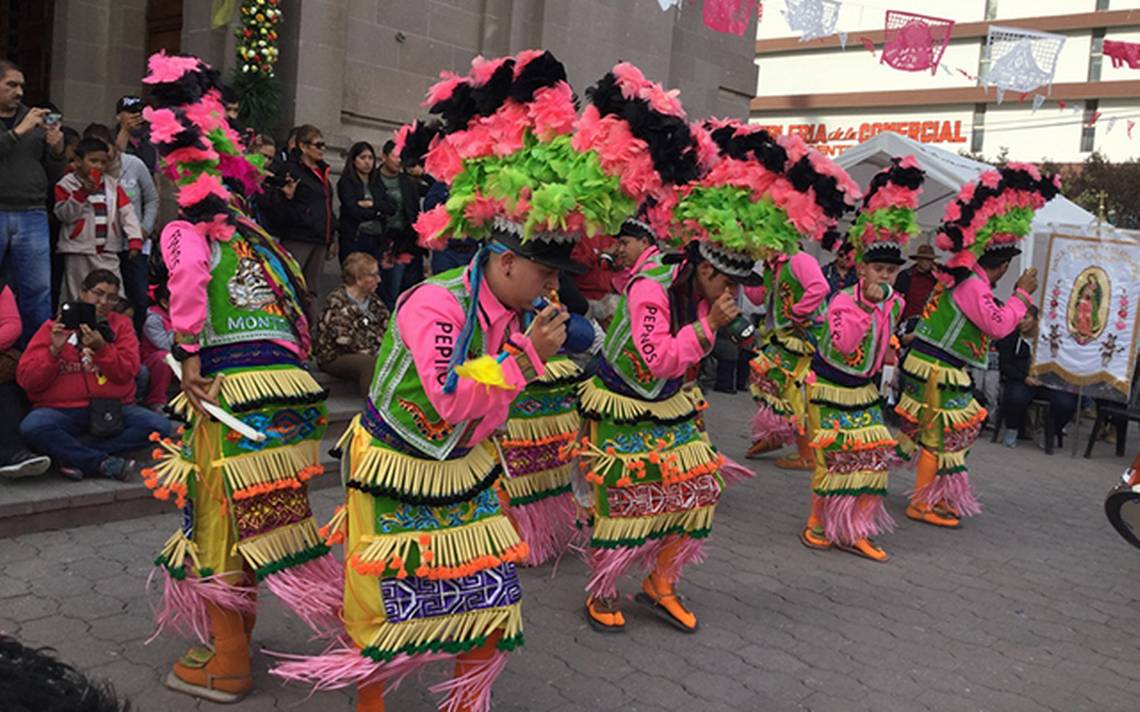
(650, 474)
(430, 557)
(981, 228)
(241, 338)
(853, 446)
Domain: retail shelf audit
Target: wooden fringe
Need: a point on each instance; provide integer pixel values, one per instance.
(272, 465)
(958, 419)
(337, 528)
(621, 407)
(170, 474)
(639, 528)
(535, 483)
(865, 395)
(559, 369)
(543, 426)
(458, 628)
(871, 437)
(177, 549)
(267, 384)
(946, 376)
(415, 477)
(780, 406)
(280, 543)
(951, 460)
(442, 553)
(851, 481)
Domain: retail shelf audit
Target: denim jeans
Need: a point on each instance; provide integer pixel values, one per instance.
(25, 245)
(57, 432)
(136, 281)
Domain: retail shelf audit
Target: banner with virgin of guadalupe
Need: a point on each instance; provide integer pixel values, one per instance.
(1090, 298)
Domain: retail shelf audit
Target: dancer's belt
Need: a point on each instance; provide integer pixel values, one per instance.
(246, 355)
(614, 383)
(929, 349)
(376, 426)
(826, 370)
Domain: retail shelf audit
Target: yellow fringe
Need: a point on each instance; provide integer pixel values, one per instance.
(262, 384)
(946, 460)
(450, 547)
(619, 528)
(868, 438)
(457, 628)
(544, 481)
(946, 375)
(914, 410)
(621, 407)
(559, 369)
(171, 473)
(177, 549)
(863, 479)
(541, 427)
(795, 344)
(862, 396)
(269, 465)
(780, 405)
(180, 406)
(417, 477)
(280, 543)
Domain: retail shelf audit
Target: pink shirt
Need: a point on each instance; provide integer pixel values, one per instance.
(848, 323)
(807, 272)
(187, 255)
(429, 319)
(975, 298)
(10, 324)
(666, 355)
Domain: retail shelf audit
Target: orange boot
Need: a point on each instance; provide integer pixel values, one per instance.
(223, 674)
(370, 698)
(804, 459)
(469, 662)
(919, 510)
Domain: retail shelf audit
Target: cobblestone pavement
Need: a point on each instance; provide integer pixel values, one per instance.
(1031, 606)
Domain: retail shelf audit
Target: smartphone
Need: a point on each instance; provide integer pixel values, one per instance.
(53, 119)
(74, 314)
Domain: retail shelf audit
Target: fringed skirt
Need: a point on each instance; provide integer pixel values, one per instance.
(535, 487)
(939, 414)
(778, 375)
(655, 477)
(245, 506)
(854, 451)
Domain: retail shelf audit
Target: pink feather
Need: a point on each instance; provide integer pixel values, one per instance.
(164, 68)
(204, 186)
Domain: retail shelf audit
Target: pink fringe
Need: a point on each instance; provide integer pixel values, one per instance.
(472, 691)
(341, 665)
(733, 472)
(183, 607)
(314, 591)
(547, 526)
(954, 490)
(768, 424)
(609, 565)
(847, 518)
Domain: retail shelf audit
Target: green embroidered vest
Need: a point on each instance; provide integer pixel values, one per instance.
(397, 393)
(240, 304)
(619, 350)
(860, 362)
(784, 291)
(945, 327)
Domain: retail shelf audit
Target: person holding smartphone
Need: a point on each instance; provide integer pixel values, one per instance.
(31, 161)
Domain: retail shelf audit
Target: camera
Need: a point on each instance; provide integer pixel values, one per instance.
(53, 119)
(75, 314)
(740, 330)
(579, 331)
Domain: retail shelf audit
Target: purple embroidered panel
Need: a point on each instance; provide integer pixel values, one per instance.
(415, 597)
(530, 459)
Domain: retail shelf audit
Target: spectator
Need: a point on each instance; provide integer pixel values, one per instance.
(137, 183)
(15, 460)
(77, 379)
(458, 252)
(133, 136)
(71, 139)
(32, 679)
(31, 161)
(363, 203)
(157, 339)
(1019, 389)
(401, 263)
(353, 323)
(304, 220)
(915, 283)
(840, 272)
(264, 146)
(97, 220)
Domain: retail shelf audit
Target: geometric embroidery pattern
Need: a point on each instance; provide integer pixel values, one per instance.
(278, 508)
(544, 404)
(646, 440)
(416, 598)
(283, 427)
(411, 517)
(844, 462)
(658, 498)
(528, 459)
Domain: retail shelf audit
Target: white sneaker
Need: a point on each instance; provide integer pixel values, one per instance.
(1010, 438)
(25, 464)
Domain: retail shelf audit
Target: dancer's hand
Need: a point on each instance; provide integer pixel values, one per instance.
(196, 388)
(874, 292)
(548, 332)
(1027, 280)
(724, 310)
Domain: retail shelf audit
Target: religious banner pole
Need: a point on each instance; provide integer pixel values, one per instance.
(1081, 389)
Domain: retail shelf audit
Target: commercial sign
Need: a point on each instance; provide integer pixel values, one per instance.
(833, 139)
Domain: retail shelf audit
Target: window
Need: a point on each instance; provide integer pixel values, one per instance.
(978, 129)
(1101, 5)
(1096, 56)
(1088, 133)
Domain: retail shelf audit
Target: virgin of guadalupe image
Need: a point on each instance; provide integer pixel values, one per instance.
(1087, 307)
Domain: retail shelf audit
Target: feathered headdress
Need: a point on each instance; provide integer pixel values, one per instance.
(758, 194)
(990, 215)
(200, 151)
(887, 221)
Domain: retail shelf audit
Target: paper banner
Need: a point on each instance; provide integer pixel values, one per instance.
(1111, 125)
(868, 44)
(1021, 60)
(842, 39)
(1061, 104)
(1131, 125)
(915, 43)
(729, 16)
(1038, 100)
(1093, 119)
(666, 4)
(1089, 315)
(812, 18)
